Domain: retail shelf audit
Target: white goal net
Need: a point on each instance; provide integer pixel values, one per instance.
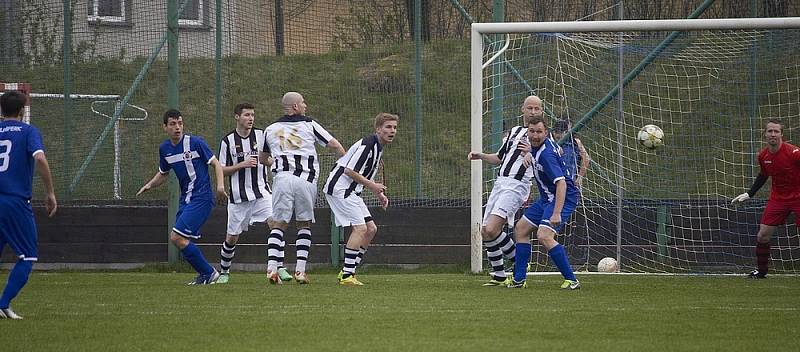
(710, 87)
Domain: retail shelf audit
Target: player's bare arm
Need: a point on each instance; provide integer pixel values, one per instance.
(156, 181)
(43, 168)
(222, 197)
(489, 158)
(265, 158)
(585, 160)
(561, 194)
(248, 162)
(378, 189)
(384, 200)
(371, 185)
(525, 148)
(334, 145)
(382, 197)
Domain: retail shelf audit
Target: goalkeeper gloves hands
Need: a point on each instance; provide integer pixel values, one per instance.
(740, 198)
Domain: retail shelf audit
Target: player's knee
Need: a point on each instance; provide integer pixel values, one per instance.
(278, 224)
(303, 224)
(486, 233)
(490, 231)
(546, 238)
(359, 230)
(372, 229)
(765, 233)
(178, 240)
(522, 231)
(232, 239)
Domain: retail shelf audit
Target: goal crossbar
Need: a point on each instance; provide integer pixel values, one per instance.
(637, 25)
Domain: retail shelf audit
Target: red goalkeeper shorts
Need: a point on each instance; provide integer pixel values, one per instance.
(777, 211)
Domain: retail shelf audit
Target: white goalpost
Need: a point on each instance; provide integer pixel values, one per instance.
(709, 84)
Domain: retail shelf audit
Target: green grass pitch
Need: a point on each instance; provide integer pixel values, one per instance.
(401, 311)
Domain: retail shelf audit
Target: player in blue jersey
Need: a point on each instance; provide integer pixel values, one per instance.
(189, 156)
(572, 151)
(558, 198)
(20, 149)
(577, 160)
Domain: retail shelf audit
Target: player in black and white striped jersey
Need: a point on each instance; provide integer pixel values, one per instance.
(353, 172)
(250, 197)
(511, 189)
(290, 149)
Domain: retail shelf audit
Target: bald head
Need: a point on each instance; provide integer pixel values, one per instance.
(532, 107)
(293, 103)
(532, 99)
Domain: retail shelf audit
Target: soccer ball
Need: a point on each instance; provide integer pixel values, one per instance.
(651, 136)
(607, 265)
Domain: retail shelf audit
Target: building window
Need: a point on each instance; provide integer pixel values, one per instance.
(114, 11)
(194, 14)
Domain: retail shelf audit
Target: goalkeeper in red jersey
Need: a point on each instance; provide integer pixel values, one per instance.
(781, 161)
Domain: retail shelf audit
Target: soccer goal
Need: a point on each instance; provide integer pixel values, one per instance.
(708, 84)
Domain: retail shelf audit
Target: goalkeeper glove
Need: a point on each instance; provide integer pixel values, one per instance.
(740, 198)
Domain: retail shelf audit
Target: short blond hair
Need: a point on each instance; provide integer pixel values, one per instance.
(383, 117)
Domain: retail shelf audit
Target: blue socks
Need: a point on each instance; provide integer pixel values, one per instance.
(17, 278)
(557, 254)
(521, 261)
(559, 257)
(196, 259)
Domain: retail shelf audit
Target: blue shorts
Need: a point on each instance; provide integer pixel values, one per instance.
(191, 217)
(539, 212)
(18, 228)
